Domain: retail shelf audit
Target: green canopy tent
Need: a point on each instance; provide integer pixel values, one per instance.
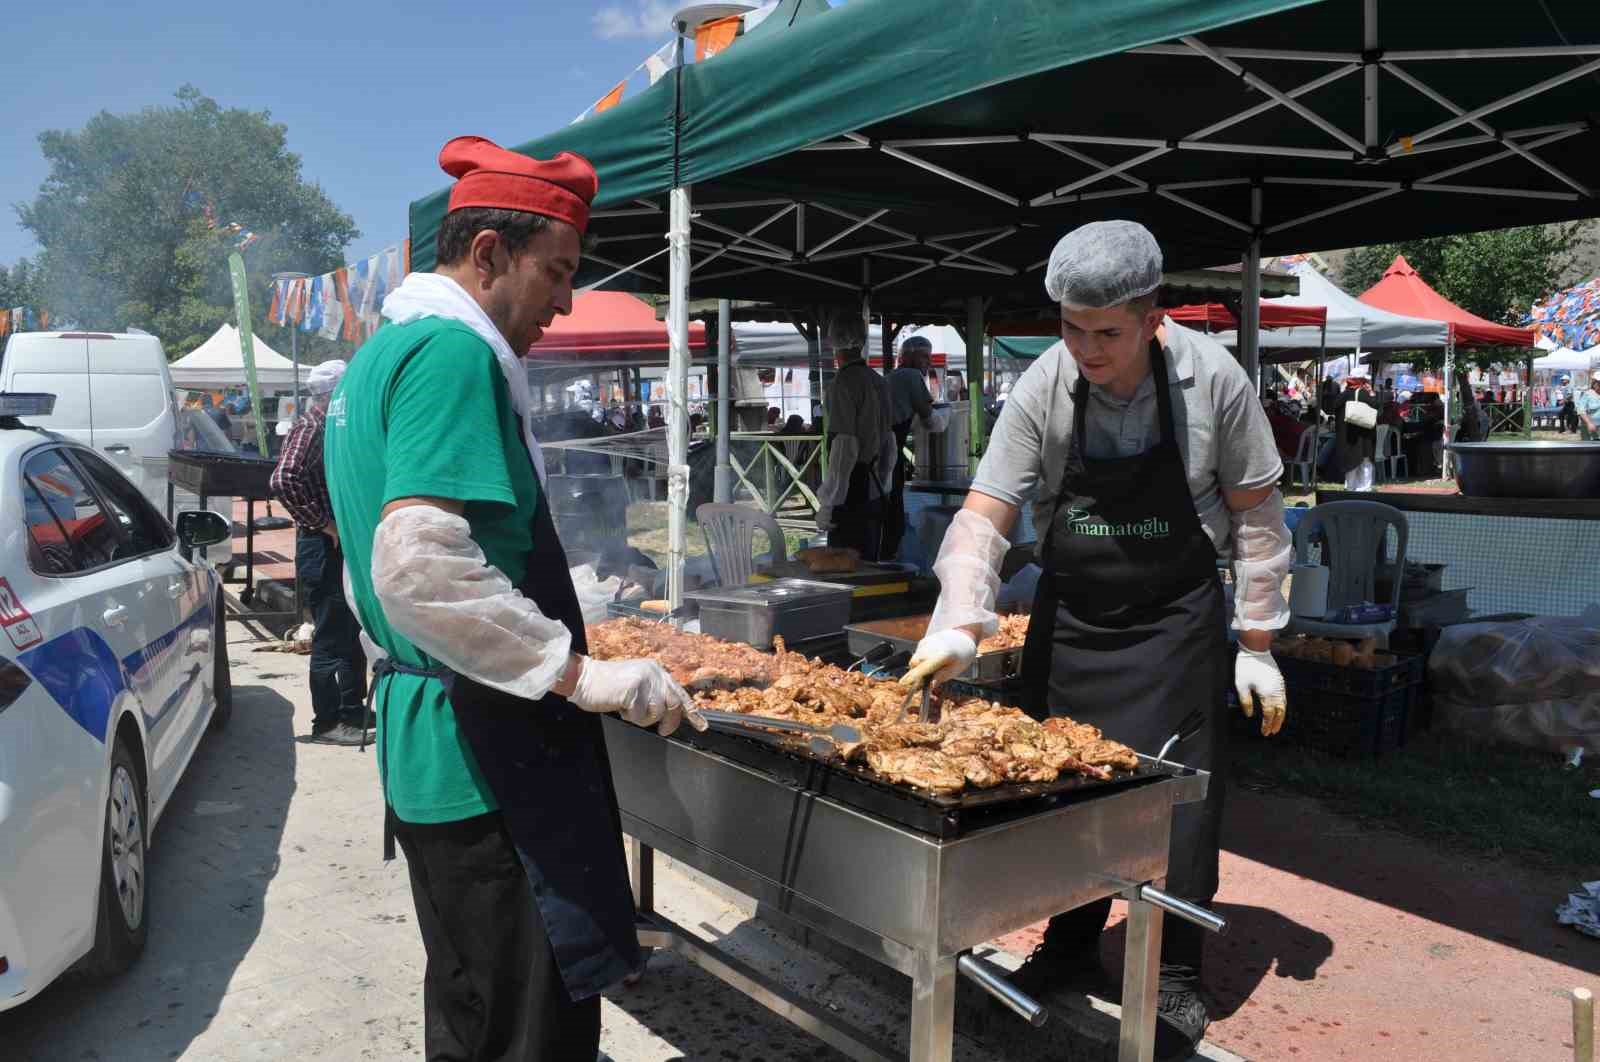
(872, 153)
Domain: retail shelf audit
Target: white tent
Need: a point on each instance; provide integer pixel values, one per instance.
(1562, 359)
(1352, 324)
(780, 343)
(219, 362)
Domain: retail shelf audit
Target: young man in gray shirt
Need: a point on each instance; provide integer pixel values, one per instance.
(1151, 458)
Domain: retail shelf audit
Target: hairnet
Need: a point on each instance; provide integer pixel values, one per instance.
(847, 331)
(1102, 264)
(916, 343)
(325, 377)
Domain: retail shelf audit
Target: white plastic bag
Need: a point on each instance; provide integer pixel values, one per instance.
(594, 593)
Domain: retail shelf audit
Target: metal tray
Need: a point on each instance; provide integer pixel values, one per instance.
(945, 817)
(904, 634)
(221, 475)
(756, 613)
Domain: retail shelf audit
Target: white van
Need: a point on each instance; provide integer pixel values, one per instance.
(114, 394)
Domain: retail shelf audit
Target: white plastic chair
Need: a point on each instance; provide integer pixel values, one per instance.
(1390, 458)
(1304, 465)
(1354, 544)
(730, 532)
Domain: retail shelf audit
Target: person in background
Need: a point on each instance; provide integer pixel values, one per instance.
(795, 425)
(774, 414)
(1587, 407)
(217, 413)
(1390, 415)
(338, 665)
(1286, 430)
(1355, 445)
(909, 400)
(854, 498)
(1328, 396)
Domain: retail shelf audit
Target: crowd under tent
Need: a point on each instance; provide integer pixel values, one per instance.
(1351, 325)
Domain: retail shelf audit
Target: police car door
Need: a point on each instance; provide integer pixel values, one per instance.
(99, 592)
(180, 658)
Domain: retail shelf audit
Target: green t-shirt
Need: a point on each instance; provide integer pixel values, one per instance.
(424, 411)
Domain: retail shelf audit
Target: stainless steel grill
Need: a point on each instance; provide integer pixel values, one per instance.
(908, 879)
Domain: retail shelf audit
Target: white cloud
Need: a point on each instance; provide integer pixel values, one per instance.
(640, 18)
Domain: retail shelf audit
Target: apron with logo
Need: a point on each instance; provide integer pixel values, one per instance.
(1128, 629)
(546, 763)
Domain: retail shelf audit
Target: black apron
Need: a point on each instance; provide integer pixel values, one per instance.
(1128, 630)
(546, 763)
(862, 522)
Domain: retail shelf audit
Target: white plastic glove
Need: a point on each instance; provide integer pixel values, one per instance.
(1256, 674)
(940, 657)
(640, 691)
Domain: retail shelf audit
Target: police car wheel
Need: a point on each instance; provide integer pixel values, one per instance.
(221, 672)
(121, 926)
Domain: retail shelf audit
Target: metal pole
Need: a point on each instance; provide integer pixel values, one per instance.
(294, 339)
(723, 489)
(1369, 77)
(1250, 296)
(975, 421)
(1446, 463)
(677, 390)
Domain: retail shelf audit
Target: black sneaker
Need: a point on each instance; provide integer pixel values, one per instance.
(1051, 968)
(1181, 1020)
(340, 734)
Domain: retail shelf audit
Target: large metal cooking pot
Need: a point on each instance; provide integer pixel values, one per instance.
(1528, 469)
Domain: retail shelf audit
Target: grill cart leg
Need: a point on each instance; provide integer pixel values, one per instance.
(933, 1008)
(1141, 974)
(642, 864)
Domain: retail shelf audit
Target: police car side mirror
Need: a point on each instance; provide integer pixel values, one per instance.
(198, 528)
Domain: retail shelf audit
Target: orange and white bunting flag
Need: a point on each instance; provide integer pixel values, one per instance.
(610, 99)
(712, 37)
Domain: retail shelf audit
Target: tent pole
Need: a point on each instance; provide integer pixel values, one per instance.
(1250, 295)
(1527, 402)
(724, 475)
(976, 423)
(1369, 76)
(678, 232)
(1449, 393)
(677, 391)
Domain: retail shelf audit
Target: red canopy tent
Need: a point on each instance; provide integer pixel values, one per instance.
(610, 326)
(1217, 317)
(1211, 315)
(1402, 290)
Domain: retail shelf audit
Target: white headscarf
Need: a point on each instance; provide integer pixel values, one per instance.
(435, 295)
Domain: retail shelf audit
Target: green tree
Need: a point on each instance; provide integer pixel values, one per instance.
(17, 285)
(1497, 275)
(135, 219)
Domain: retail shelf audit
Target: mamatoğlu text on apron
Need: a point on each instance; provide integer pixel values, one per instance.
(1128, 631)
(546, 763)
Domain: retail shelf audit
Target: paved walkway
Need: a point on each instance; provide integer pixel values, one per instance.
(1352, 943)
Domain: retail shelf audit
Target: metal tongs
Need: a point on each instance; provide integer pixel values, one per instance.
(840, 732)
(1188, 728)
(925, 713)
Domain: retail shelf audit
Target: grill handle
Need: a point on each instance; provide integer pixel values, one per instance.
(1183, 909)
(988, 978)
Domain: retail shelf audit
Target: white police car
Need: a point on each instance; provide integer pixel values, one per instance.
(112, 665)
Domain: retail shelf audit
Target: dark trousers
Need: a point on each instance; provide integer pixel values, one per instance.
(1182, 942)
(858, 523)
(492, 990)
(338, 666)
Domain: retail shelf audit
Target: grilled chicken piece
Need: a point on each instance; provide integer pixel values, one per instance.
(920, 767)
(1104, 753)
(980, 772)
(1077, 734)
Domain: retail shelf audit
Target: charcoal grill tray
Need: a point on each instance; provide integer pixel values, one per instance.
(945, 817)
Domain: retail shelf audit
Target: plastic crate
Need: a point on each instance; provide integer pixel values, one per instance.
(1348, 726)
(1316, 675)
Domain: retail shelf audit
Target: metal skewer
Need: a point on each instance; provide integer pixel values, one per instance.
(741, 721)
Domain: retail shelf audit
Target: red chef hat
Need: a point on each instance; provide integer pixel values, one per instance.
(487, 175)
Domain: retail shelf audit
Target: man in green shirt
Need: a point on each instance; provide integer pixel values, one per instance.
(489, 742)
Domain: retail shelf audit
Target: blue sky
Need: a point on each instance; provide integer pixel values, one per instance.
(369, 90)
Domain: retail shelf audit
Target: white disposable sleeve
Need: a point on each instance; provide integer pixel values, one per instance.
(969, 574)
(371, 649)
(841, 462)
(1262, 553)
(436, 588)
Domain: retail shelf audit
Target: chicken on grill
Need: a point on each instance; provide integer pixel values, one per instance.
(975, 743)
